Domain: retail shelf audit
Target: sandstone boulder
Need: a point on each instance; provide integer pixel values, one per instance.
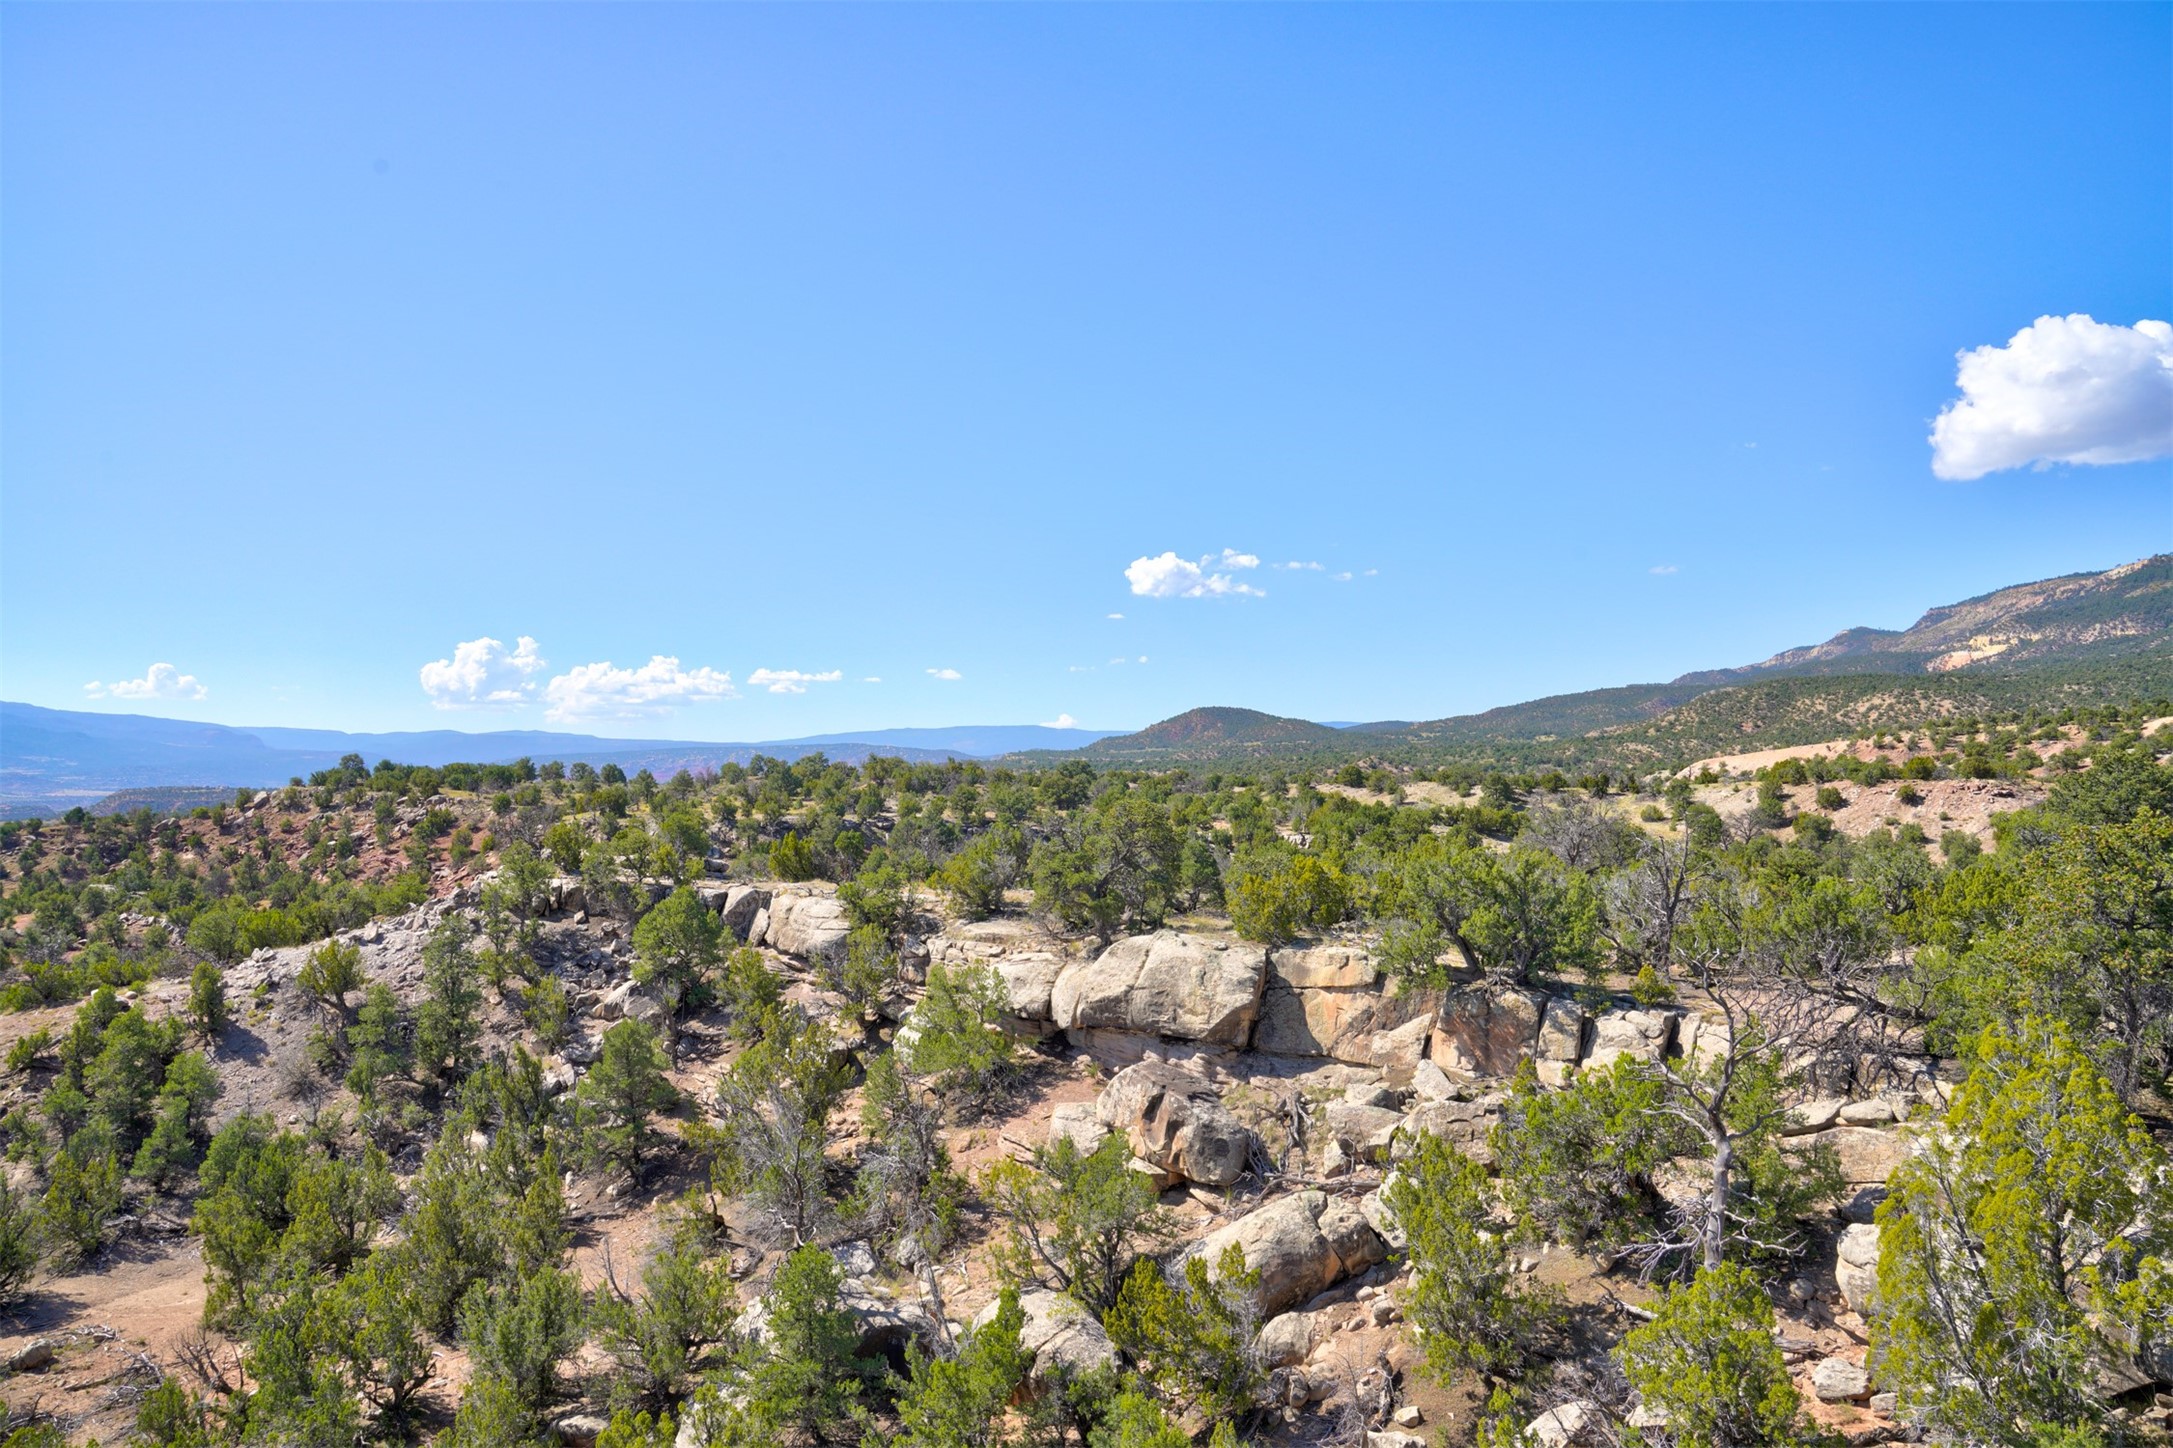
(1286, 1340)
(1485, 1030)
(1837, 1380)
(1322, 967)
(1561, 1031)
(1300, 1245)
(1856, 1266)
(1576, 1421)
(810, 927)
(1029, 982)
(742, 903)
(1172, 984)
(1866, 1154)
(1174, 1119)
(1643, 1035)
(1080, 1122)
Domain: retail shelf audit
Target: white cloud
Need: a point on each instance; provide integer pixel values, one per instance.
(160, 681)
(1118, 659)
(483, 674)
(790, 681)
(601, 691)
(1061, 721)
(1143, 658)
(872, 679)
(1295, 564)
(1116, 615)
(1662, 568)
(2063, 390)
(949, 676)
(1373, 573)
(1342, 577)
(1169, 576)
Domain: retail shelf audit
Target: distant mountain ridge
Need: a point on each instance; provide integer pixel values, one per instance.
(53, 758)
(2081, 637)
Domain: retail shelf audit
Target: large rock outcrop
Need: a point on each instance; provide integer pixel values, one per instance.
(1174, 1120)
(812, 927)
(1326, 1000)
(1485, 1030)
(1169, 984)
(1301, 1245)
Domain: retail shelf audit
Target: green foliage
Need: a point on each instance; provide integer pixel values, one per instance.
(1462, 1298)
(1114, 871)
(2024, 1247)
(1135, 1420)
(619, 1095)
(83, 1193)
(906, 1193)
(207, 999)
(957, 1044)
(332, 972)
(811, 1376)
(962, 1402)
(749, 990)
(1707, 1361)
(519, 1333)
(1276, 894)
(1074, 1218)
(1518, 915)
(662, 1340)
(793, 858)
(1577, 1165)
(18, 1245)
(976, 877)
(774, 1105)
(1194, 1335)
(448, 1024)
(679, 943)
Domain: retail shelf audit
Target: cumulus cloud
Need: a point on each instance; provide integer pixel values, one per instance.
(1300, 565)
(160, 681)
(948, 676)
(604, 691)
(484, 674)
(1061, 721)
(2063, 390)
(1169, 576)
(790, 681)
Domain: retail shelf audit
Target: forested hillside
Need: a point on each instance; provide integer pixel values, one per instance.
(957, 1105)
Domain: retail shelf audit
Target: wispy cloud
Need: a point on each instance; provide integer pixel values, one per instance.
(604, 691)
(949, 676)
(790, 681)
(1168, 576)
(160, 681)
(2063, 390)
(1295, 564)
(1662, 568)
(484, 674)
(872, 679)
(1115, 615)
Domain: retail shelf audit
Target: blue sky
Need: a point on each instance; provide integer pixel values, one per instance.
(1593, 344)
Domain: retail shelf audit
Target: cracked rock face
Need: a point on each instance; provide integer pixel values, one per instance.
(1170, 984)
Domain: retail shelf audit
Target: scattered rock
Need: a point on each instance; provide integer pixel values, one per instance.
(1410, 1415)
(1287, 1339)
(1876, 1112)
(1642, 1035)
(1174, 1119)
(32, 1355)
(579, 1430)
(1856, 1266)
(1561, 1426)
(1063, 1337)
(1837, 1380)
(1301, 1245)
(742, 903)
